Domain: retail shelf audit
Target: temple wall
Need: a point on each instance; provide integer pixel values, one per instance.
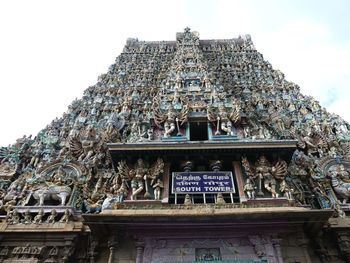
(294, 247)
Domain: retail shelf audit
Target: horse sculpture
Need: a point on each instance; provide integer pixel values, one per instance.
(52, 192)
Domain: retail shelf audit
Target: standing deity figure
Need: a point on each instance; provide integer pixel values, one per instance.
(249, 189)
(37, 154)
(286, 190)
(137, 184)
(139, 176)
(179, 80)
(122, 192)
(206, 83)
(266, 174)
(157, 189)
(223, 120)
(87, 143)
(172, 118)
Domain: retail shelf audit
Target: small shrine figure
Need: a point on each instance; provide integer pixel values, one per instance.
(52, 216)
(38, 219)
(9, 212)
(12, 217)
(284, 188)
(220, 199)
(15, 219)
(66, 216)
(249, 189)
(27, 218)
(122, 192)
(188, 200)
(158, 189)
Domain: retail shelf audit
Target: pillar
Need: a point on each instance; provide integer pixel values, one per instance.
(277, 245)
(140, 245)
(303, 243)
(112, 245)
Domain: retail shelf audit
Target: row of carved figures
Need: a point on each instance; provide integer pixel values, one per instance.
(13, 217)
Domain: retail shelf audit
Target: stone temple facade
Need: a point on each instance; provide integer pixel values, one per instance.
(184, 151)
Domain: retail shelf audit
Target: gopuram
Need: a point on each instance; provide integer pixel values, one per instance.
(184, 151)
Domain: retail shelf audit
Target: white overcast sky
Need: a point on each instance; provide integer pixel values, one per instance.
(51, 51)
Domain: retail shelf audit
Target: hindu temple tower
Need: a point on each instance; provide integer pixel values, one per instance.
(184, 151)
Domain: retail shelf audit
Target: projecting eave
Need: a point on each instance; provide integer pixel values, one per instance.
(209, 218)
(211, 147)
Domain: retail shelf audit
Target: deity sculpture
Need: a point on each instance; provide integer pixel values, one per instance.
(51, 218)
(249, 189)
(222, 119)
(66, 216)
(85, 146)
(157, 189)
(265, 174)
(172, 119)
(139, 176)
(137, 184)
(220, 199)
(188, 200)
(13, 217)
(38, 219)
(286, 190)
(340, 180)
(27, 218)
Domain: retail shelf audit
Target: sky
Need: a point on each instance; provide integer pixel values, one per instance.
(51, 51)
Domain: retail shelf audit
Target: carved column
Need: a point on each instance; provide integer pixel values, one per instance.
(303, 243)
(277, 245)
(66, 251)
(140, 245)
(343, 239)
(112, 244)
(239, 179)
(166, 178)
(91, 252)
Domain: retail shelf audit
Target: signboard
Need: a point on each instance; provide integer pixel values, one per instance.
(215, 261)
(202, 182)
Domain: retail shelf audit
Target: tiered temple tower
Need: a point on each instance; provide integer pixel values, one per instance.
(184, 151)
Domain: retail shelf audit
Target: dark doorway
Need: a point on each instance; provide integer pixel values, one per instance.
(198, 131)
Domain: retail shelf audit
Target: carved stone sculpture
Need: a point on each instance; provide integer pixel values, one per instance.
(38, 219)
(265, 174)
(340, 179)
(139, 176)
